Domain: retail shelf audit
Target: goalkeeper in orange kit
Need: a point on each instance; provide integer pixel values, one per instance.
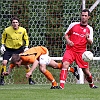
(38, 55)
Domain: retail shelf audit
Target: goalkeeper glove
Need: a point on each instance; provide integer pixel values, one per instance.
(26, 48)
(3, 49)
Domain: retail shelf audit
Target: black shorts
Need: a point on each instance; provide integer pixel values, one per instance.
(8, 53)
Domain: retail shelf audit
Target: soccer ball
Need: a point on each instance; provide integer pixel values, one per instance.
(87, 56)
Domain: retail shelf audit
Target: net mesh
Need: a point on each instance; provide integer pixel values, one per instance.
(46, 21)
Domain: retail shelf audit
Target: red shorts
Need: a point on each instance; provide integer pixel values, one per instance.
(71, 56)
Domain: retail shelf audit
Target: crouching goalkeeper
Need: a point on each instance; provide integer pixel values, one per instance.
(37, 56)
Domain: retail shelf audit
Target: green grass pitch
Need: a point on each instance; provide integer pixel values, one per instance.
(43, 92)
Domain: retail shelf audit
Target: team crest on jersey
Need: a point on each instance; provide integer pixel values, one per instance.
(84, 30)
(20, 32)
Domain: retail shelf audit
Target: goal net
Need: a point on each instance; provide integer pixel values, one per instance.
(46, 21)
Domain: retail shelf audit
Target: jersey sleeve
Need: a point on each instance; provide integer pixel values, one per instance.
(26, 38)
(91, 34)
(68, 31)
(3, 37)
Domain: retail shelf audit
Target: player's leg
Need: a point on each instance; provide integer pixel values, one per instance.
(88, 76)
(74, 71)
(2, 69)
(63, 74)
(31, 82)
(6, 56)
(67, 60)
(56, 65)
(45, 60)
(64, 71)
(85, 67)
(49, 76)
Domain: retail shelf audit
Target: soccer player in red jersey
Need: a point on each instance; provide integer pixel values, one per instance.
(77, 36)
(37, 56)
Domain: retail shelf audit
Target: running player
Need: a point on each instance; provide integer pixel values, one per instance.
(78, 35)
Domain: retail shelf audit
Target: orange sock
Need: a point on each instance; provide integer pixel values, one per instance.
(50, 78)
(71, 69)
(54, 83)
(59, 65)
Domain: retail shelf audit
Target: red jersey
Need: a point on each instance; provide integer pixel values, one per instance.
(76, 33)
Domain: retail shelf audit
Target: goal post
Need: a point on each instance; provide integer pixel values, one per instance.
(94, 5)
(83, 4)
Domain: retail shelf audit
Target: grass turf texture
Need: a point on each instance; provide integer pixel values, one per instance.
(43, 92)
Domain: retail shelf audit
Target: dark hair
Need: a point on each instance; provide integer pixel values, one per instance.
(86, 10)
(15, 58)
(14, 18)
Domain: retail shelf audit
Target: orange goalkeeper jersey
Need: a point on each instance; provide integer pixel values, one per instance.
(31, 55)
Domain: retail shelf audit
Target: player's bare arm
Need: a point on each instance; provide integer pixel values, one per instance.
(88, 39)
(35, 64)
(68, 41)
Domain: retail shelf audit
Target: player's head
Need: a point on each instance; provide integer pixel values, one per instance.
(16, 60)
(86, 10)
(15, 22)
(85, 15)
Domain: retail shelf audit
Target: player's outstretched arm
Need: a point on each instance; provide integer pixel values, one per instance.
(35, 64)
(8, 72)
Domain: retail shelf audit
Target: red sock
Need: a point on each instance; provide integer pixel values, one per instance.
(89, 79)
(63, 76)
